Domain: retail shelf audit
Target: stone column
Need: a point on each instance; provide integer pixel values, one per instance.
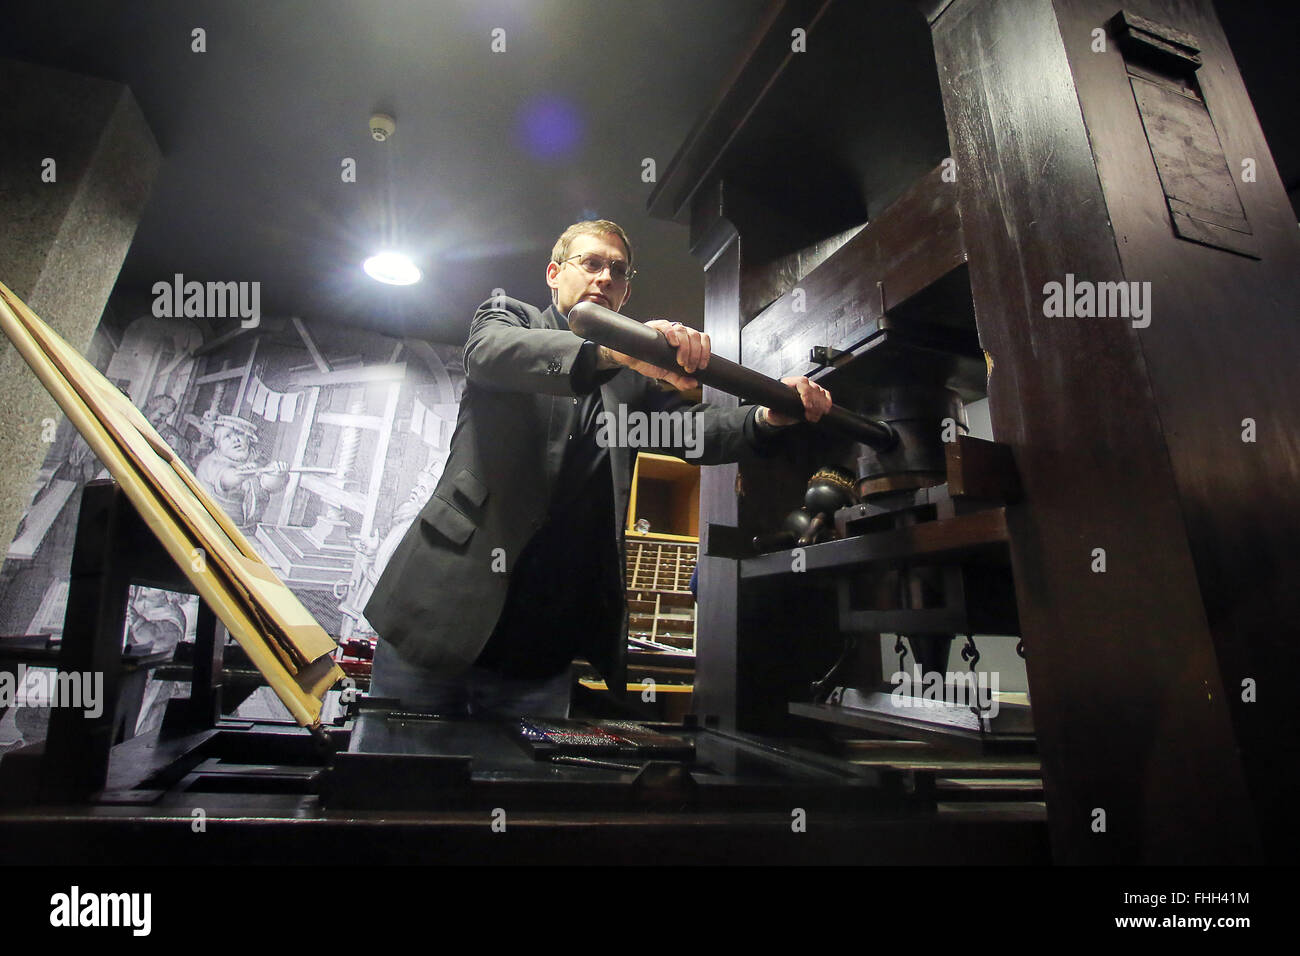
(63, 241)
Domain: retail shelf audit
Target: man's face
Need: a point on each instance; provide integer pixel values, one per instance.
(233, 444)
(573, 284)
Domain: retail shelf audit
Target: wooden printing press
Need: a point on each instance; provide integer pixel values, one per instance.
(881, 198)
(886, 198)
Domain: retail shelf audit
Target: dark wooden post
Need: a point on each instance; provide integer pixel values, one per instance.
(1128, 435)
(77, 746)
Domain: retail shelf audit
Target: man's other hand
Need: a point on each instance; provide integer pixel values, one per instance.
(692, 353)
(816, 401)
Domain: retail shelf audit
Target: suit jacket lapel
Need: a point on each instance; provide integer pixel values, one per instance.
(620, 461)
(550, 318)
(560, 417)
(558, 412)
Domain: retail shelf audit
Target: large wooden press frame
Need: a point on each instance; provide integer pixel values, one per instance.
(991, 147)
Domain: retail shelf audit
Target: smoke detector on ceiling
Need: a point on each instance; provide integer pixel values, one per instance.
(382, 126)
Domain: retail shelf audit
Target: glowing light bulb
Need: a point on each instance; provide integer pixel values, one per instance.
(392, 268)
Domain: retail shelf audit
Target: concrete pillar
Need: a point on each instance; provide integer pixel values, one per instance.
(62, 242)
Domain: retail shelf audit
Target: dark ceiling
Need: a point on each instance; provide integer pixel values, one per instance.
(494, 152)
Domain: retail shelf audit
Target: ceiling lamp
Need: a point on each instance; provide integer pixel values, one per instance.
(392, 268)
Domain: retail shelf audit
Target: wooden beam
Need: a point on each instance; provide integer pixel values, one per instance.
(321, 364)
(913, 244)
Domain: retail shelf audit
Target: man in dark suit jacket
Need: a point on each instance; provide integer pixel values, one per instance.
(515, 565)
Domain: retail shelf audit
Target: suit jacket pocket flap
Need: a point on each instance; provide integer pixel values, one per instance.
(467, 484)
(447, 520)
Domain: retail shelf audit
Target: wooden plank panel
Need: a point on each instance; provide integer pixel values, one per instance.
(930, 540)
(913, 244)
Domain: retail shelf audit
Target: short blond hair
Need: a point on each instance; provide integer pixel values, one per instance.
(590, 227)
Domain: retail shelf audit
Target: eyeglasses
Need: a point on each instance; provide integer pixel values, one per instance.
(595, 265)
